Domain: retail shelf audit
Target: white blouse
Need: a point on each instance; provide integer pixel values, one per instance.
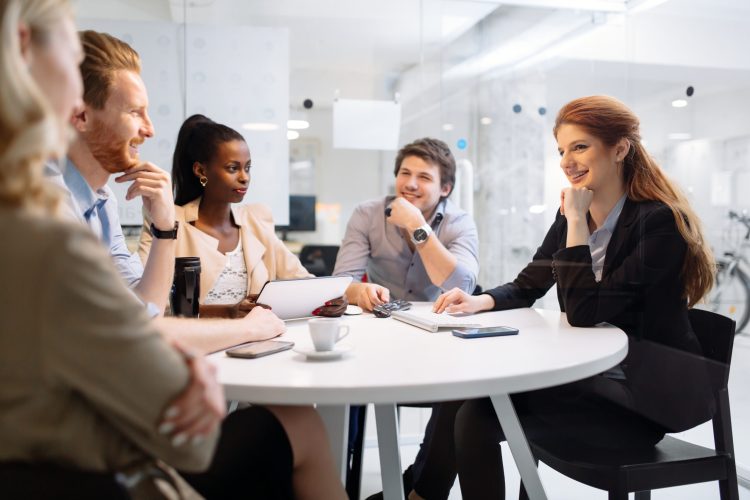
(231, 285)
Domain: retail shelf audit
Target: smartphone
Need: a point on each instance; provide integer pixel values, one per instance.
(492, 331)
(259, 349)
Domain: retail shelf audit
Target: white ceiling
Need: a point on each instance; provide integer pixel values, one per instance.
(357, 46)
(363, 47)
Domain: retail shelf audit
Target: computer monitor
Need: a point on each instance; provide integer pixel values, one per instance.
(301, 214)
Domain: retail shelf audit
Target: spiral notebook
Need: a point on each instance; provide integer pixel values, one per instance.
(433, 322)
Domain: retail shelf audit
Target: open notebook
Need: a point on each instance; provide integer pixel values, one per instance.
(432, 322)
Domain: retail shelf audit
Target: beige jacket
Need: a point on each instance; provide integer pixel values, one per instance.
(266, 256)
(84, 376)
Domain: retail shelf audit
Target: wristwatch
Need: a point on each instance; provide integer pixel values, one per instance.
(165, 235)
(421, 234)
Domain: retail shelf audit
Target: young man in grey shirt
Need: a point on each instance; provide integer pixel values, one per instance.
(412, 246)
(423, 245)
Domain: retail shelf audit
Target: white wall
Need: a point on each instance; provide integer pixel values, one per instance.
(343, 178)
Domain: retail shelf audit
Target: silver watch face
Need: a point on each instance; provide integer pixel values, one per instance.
(420, 235)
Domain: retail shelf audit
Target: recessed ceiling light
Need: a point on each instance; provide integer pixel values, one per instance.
(680, 136)
(447, 127)
(537, 209)
(260, 126)
(292, 134)
(485, 120)
(297, 124)
(679, 103)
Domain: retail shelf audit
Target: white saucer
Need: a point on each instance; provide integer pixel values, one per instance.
(352, 310)
(311, 353)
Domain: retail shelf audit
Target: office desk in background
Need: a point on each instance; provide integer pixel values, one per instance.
(391, 362)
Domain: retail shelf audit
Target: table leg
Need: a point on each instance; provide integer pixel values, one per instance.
(519, 447)
(390, 457)
(336, 420)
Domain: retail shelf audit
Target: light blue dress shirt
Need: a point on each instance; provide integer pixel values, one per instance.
(599, 239)
(374, 246)
(98, 210)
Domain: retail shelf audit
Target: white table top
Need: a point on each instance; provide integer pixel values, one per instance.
(391, 362)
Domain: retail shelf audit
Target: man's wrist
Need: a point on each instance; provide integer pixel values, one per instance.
(162, 234)
(421, 234)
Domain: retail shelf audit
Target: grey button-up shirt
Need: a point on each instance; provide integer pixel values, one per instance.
(374, 246)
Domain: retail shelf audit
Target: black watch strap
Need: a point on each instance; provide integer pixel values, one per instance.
(165, 235)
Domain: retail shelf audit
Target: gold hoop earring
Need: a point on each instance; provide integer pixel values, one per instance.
(203, 180)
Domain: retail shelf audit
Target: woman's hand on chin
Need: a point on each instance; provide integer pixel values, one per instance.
(575, 202)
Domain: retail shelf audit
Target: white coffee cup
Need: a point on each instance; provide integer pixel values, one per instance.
(325, 332)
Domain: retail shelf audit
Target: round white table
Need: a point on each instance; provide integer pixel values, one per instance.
(392, 362)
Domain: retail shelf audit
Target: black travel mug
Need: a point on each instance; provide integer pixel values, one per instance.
(186, 287)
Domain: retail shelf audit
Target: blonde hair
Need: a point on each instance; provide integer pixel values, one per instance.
(29, 128)
(105, 55)
(610, 120)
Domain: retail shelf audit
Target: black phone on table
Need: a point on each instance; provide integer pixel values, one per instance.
(492, 331)
(259, 349)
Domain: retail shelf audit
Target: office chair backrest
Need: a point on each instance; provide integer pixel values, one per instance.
(716, 336)
(319, 259)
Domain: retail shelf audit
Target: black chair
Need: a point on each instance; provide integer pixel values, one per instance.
(672, 462)
(24, 481)
(319, 259)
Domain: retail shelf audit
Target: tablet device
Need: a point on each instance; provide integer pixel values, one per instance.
(298, 298)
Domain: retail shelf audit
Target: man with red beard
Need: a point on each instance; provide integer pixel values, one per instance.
(112, 125)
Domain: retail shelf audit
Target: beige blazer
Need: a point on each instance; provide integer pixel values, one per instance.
(266, 256)
(85, 375)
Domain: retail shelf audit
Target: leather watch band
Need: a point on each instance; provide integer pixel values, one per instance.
(165, 235)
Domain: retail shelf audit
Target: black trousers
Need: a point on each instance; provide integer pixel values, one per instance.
(466, 436)
(253, 459)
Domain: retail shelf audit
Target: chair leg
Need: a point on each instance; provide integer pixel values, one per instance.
(618, 494)
(728, 488)
(643, 495)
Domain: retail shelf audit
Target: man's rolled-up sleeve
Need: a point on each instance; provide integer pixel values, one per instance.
(463, 242)
(355, 249)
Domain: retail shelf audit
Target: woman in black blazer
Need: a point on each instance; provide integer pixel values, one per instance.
(627, 249)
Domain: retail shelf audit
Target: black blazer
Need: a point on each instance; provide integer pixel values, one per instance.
(641, 292)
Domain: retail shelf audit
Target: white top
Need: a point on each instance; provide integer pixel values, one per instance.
(231, 285)
(391, 361)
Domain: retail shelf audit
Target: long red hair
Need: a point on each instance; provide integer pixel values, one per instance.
(610, 120)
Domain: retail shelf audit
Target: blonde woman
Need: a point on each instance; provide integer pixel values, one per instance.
(88, 382)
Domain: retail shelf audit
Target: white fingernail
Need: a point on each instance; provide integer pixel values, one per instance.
(196, 440)
(179, 439)
(171, 412)
(166, 428)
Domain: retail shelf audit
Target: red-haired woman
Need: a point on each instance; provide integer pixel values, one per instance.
(627, 249)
